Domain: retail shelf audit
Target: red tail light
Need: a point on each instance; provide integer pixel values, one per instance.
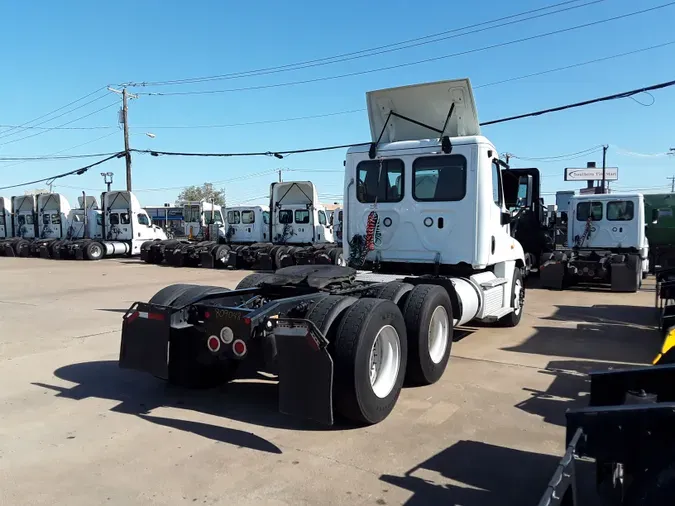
(156, 316)
(247, 320)
(213, 343)
(239, 348)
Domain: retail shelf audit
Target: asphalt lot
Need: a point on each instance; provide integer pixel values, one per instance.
(77, 430)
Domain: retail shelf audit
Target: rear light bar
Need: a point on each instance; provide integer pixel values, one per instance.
(146, 315)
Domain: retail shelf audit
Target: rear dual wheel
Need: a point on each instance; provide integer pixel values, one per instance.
(370, 355)
(427, 311)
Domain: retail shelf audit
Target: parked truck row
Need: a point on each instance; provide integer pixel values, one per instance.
(294, 229)
(45, 225)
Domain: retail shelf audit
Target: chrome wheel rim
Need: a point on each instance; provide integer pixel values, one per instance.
(385, 361)
(438, 337)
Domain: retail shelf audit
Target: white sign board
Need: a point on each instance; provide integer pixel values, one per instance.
(591, 174)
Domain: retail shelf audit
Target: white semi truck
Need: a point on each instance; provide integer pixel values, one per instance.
(606, 244)
(295, 231)
(427, 235)
(53, 230)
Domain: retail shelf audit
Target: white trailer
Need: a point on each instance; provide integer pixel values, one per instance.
(428, 239)
(606, 244)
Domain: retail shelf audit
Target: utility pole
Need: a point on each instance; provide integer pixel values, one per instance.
(604, 163)
(507, 157)
(672, 184)
(125, 122)
(127, 153)
(279, 175)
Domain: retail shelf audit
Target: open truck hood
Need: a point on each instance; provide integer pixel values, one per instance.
(425, 103)
(294, 193)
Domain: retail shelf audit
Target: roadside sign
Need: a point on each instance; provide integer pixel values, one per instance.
(591, 174)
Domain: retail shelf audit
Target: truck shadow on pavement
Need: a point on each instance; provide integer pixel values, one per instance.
(473, 473)
(251, 399)
(604, 333)
(569, 389)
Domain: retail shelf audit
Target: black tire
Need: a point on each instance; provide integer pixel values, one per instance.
(219, 253)
(337, 256)
(327, 311)
(146, 252)
(55, 248)
(513, 318)
(252, 280)
(395, 291)
(94, 250)
(181, 294)
(353, 395)
(422, 303)
(283, 257)
(22, 248)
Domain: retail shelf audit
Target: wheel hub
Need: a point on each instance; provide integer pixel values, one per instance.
(439, 330)
(385, 361)
(518, 297)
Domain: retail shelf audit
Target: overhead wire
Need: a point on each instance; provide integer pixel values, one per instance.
(388, 48)
(281, 153)
(67, 123)
(6, 134)
(23, 125)
(79, 172)
(417, 62)
(56, 153)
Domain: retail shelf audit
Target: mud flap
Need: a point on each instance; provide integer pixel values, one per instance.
(552, 276)
(79, 252)
(145, 340)
(9, 251)
(624, 278)
(265, 262)
(206, 259)
(44, 251)
(305, 371)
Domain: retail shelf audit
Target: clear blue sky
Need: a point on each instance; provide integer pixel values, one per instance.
(56, 52)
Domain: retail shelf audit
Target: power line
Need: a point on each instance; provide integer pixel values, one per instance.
(6, 134)
(58, 128)
(557, 157)
(625, 94)
(64, 150)
(417, 62)
(23, 125)
(388, 48)
(262, 122)
(64, 124)
(79, 172)
(49, 157)
(281, 153)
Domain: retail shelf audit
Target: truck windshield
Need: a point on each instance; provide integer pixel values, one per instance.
(191, 214)
(620, 210)
(592, 210)
(380, 181)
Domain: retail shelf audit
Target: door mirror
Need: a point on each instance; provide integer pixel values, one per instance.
(525, 191)
(505, 218)
(655, 216)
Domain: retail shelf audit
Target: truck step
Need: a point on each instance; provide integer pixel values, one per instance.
(493, 282)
